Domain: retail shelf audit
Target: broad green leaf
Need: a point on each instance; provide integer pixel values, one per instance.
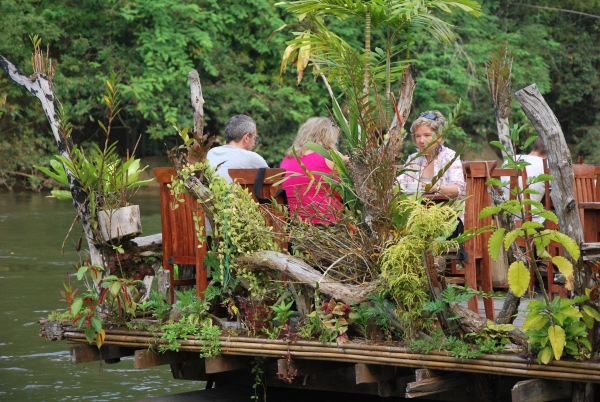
(81, 271)
(587, 319)
(551, 216)
(489, 211)
(114, 288)
(89, 334)
(97, 324)
(535, 321)
(592, 312)
(564, 266)
(557, 337)
(570, 312)
(568, 243)
(495, 243)
(511, 237)
(498, 144)
(76, 306)
(63, 195)
(518, 278)
(531, 225)
(545, 355)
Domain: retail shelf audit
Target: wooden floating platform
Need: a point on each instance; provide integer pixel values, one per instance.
(360, 370)
(350, 352)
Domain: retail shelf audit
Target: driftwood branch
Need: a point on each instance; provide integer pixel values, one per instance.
(561, 168)
(202, 142)
(41, 87)
(404, 101)
(299, 271)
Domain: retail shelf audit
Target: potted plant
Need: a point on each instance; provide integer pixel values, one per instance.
(108, 180)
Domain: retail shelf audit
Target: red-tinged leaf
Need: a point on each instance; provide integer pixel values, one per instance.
(100, 338)
(103, 295)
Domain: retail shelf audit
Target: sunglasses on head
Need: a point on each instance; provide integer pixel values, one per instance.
(429, 116)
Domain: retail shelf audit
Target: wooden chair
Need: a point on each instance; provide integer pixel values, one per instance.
(586, 197)
(180, 242)
(265, 191)
(478, 268)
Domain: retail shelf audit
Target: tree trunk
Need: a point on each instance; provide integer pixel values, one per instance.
(404, 105)
(41, 87)
(299, 271)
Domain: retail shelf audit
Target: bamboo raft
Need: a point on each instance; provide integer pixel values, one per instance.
(508, 363)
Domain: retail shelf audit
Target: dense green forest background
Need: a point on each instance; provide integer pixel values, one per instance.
(154, 43)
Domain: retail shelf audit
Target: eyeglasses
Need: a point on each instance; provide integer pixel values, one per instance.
(429, 116)
(333, 122)
(256, 138)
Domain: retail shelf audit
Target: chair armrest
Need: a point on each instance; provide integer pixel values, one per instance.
(589, 205)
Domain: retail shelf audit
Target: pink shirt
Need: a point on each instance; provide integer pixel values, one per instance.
(315, 202)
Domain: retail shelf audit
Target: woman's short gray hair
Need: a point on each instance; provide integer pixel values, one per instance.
(425, 119)
(238, 126)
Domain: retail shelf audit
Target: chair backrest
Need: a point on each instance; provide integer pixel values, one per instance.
(584, 183)
(247, 177)
(269, 188)
(476, 174)
(180, 242)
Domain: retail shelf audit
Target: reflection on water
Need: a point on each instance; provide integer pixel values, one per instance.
(32, 269)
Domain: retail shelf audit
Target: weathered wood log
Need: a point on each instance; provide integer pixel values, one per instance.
(41, 87)
(86, 353)
(299, 271)
(541, 390)
(437, 384)
(145, 358)
(471, 322)
(560, 164)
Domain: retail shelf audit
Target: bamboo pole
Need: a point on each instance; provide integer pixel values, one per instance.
(365, 354)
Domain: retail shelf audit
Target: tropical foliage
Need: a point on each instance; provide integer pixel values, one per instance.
(154, 44)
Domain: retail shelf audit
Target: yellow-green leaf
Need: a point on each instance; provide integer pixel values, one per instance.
(589, 321)
(592, 312)
(570, 312)
(564, 266)
(545, 355)
(568, 243)
(558, 339)
(518, 278)
(535, 321)
(511, 237)
(495, 243)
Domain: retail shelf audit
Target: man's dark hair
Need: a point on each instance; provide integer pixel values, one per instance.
(238, 126)
(538, 146)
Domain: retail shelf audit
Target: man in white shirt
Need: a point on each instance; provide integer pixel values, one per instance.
(240, 138)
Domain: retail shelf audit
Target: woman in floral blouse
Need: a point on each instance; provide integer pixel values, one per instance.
(423, 168)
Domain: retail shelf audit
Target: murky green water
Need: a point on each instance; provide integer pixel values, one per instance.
(32, 270)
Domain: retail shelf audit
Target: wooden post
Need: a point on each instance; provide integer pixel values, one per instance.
(541, 390)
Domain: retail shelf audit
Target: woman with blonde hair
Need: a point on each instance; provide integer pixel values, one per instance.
(435, 156)
(309, 197)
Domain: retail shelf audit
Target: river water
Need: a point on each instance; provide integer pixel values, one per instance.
(32, 270)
